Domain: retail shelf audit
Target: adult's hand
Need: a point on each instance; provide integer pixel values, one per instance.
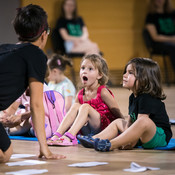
(47, 154)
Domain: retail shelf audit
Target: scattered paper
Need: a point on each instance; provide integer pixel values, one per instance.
(18, 156)
(87, 164)
(26, 162)
(28, 172)
(172, 121)
(134, 167)
(85, 174)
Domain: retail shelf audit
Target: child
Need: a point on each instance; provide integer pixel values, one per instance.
(148, 121)
(94, 104)
(58, 81)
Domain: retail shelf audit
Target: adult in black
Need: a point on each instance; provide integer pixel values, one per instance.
(23, 65)
(160, 23)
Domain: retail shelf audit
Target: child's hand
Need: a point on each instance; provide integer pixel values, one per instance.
(10, 120)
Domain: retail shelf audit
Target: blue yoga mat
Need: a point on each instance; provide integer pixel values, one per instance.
(23, 138)
(170, 146)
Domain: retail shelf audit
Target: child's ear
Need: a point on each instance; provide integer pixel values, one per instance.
(99, 77)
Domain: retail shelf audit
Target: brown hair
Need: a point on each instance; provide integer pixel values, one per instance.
(59, 62)
(75, 13)
(100, 64)
(148, 78)
(167, 6)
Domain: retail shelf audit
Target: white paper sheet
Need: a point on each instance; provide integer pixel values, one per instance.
(28, 172)
(25, 162)
(87, 164)
(19, 156)
(134, 167)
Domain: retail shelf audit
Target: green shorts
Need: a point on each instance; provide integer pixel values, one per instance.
(158, 140)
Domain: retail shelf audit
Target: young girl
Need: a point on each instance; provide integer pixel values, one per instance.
(73, 31)
(94, 104)
(58, 81)
(148, 120)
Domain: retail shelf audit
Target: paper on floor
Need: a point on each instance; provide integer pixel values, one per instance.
(25, 162)
(87, 164)
(28, 172)
(18, 156)
(134, 167)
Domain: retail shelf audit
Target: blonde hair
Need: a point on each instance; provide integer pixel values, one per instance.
(100, 64)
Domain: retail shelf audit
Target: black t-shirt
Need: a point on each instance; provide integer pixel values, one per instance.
(164, 23)
(154, 107)
(4, 139)
(16, 67)
(72, 26)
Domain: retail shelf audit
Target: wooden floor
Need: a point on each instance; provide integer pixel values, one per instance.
(118, 160)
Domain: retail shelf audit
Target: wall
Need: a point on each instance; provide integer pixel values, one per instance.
(7, 13)
(116, 25)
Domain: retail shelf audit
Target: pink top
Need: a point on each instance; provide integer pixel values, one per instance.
(99, 105)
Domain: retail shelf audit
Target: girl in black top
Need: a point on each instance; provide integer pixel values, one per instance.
(148, 121)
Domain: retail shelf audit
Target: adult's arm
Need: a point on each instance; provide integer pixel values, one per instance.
(64, 34)
(157, 37)
(37, 111)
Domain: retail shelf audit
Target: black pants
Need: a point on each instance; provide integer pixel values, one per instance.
(167, 48)
(4, 139)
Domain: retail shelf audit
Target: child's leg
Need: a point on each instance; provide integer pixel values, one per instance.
(143, 128)
(112, 130)
(86, 113)
(20, 129)
(69, 118)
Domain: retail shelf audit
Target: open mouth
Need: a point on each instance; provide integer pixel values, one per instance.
(85, 78)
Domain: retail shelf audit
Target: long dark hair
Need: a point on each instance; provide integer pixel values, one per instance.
(30, 22)
(148, 77)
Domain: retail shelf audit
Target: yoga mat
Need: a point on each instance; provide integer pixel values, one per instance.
(23, 138)
(170, 146)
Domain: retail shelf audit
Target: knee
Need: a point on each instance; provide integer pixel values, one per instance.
(143, 122)
(5, 156)
(76, 106)
(84, 107)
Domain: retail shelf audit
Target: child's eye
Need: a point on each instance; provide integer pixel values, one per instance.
(90, 68)
(82, 67)
(131, 72)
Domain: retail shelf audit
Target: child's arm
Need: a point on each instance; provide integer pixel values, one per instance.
(111, 103)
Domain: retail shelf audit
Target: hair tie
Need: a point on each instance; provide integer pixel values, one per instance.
(18, 9)
(59, 62)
